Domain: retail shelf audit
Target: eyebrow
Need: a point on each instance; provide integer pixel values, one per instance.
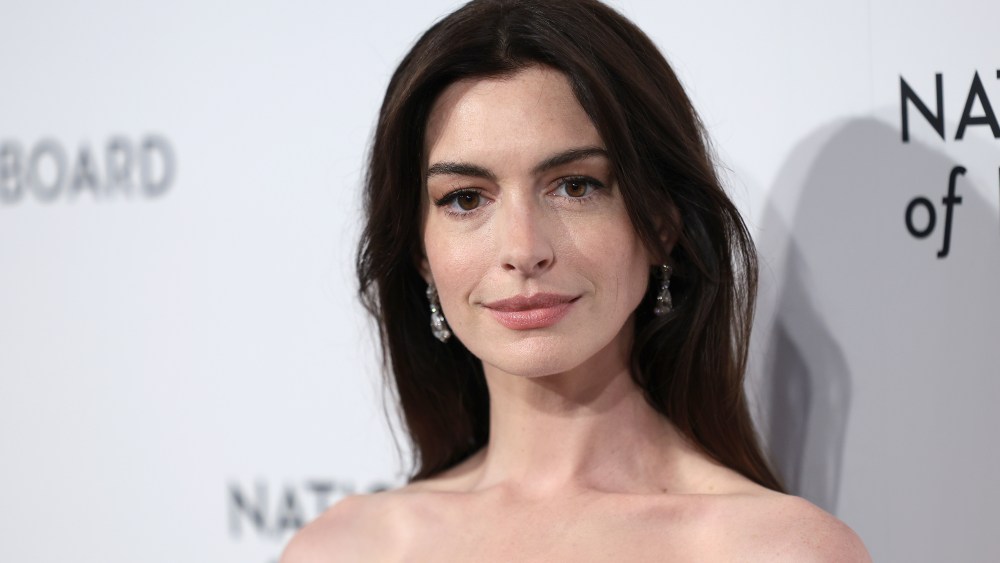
(566, 157)
(475, 171)
(460, 169)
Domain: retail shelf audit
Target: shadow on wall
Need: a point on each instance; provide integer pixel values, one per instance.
(838, 271)
(808, 391)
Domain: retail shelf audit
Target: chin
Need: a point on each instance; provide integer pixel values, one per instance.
(539, 356)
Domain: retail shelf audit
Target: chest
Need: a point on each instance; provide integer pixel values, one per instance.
(577, 532)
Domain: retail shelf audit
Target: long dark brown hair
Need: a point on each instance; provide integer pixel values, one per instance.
(689, 363)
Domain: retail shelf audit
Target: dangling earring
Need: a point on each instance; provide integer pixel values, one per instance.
(438, 325)
(664, 301)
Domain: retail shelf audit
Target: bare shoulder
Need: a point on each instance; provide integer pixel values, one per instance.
(778, 527)
(376, 527)
(353, 529)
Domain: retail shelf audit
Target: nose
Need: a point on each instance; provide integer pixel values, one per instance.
(525, 245)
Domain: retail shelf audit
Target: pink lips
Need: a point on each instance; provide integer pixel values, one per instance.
(537, 311)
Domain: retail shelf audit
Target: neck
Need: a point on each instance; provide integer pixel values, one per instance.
(588, 428)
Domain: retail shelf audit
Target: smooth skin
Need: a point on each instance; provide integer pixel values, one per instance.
(520, 200)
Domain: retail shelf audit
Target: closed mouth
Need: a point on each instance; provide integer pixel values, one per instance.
(531, 312)
(525, 303)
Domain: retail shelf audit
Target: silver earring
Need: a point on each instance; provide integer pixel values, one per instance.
(664, 301)
(438, 325)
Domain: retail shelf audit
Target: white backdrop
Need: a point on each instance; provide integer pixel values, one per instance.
(185, 373)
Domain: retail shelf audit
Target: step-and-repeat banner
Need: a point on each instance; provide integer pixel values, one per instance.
(186, 374)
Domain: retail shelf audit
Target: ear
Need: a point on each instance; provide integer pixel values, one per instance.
(423, 266)
(669, 230)
(425, 270)
(418, 251)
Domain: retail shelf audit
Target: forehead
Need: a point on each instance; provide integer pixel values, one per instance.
(529, 111)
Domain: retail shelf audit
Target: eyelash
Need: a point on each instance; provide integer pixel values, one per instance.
(450, 198)
(596, 185)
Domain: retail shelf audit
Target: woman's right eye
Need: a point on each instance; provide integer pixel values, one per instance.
(467, 201)
(461, 201)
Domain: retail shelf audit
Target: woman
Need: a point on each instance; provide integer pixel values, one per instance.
(565, 296)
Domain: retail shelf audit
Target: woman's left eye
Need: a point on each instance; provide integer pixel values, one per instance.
(576, 188)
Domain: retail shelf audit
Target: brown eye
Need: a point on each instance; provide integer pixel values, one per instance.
(468, 201)
(462, 202)
(576, 188)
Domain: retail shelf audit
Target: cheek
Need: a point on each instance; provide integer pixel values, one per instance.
(621, 264)
(455, 267)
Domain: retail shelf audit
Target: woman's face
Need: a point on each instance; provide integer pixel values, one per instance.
(525, 233)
